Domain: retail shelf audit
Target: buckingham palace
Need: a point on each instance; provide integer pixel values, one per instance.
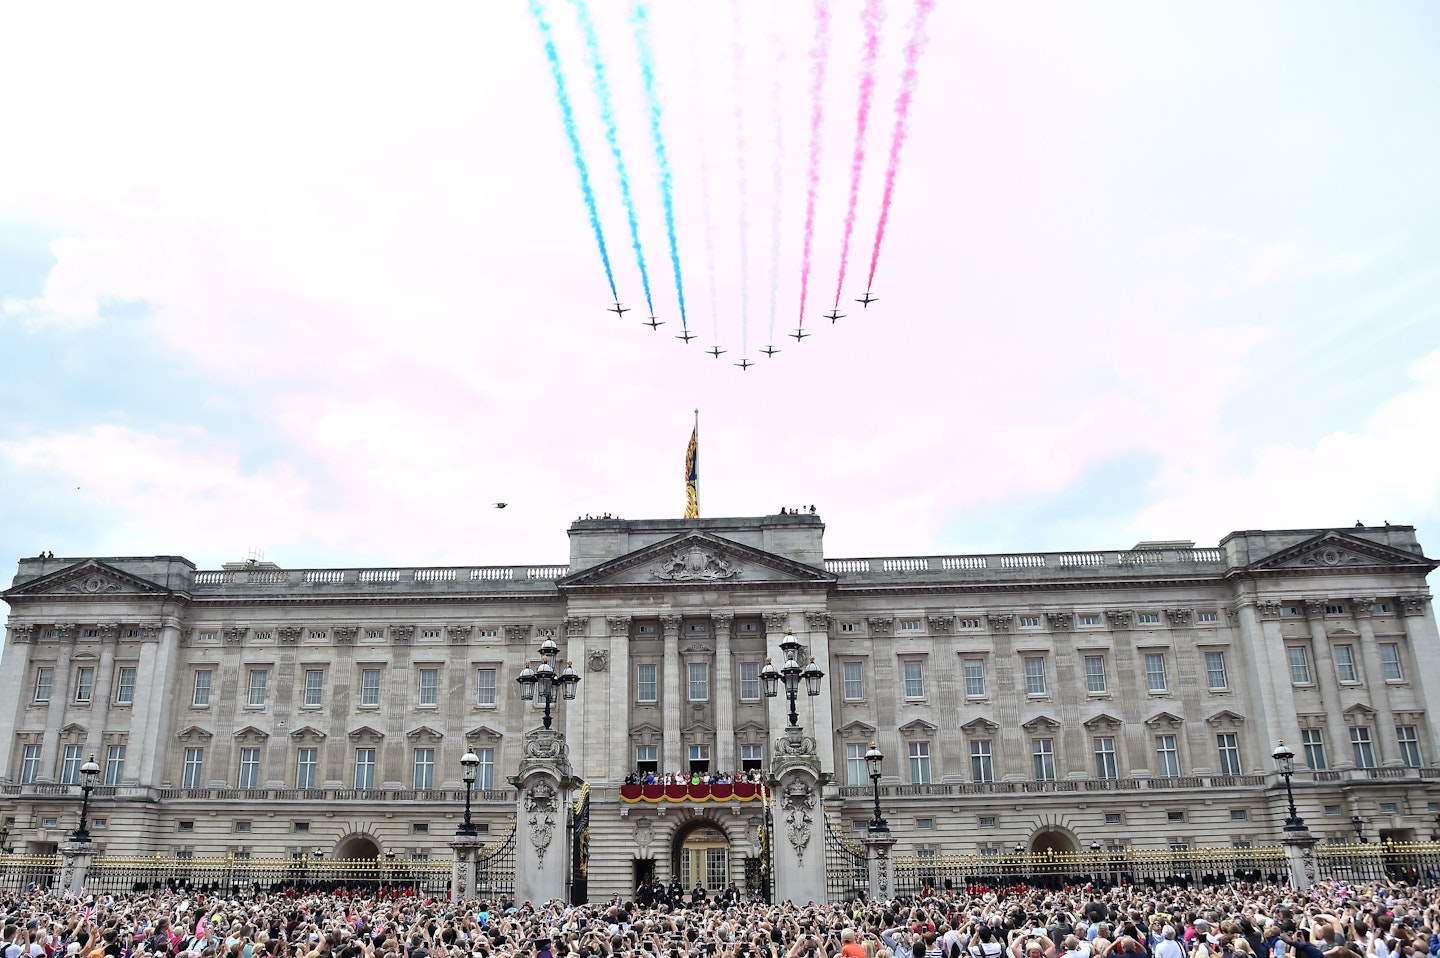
(1051, 702)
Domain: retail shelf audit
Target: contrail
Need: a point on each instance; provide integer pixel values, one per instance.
(640, 17)
(738, 52)
(695, 87)
(872, 17)
(913, 49)
(819, 52)
(612, 136)
(567, 113)
(779, 54)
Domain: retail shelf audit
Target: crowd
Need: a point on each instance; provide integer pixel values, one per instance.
(752, 777)
(1330, 921)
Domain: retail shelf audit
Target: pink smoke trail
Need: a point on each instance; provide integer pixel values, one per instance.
(872, 17)
(913, 49)
(819, 53)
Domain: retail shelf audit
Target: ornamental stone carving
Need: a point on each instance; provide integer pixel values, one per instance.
(1000, 623)
(695, 564)
(1413, 604)
(797, 807)
(402, 634)
(1333, 557)
(345, 634)
(540, 802)
(23, 634)
(1178, 617)
(150, 632)
(817, 620)
(234, 636)
(776, 621)
(289, 634)
(1360, 606)
(1060, 621)
(517, 633)
(619, 625)
(1314, 608)
(1268, 610)
(880, 625)
(723, 623)
(65, 631)
(459, 634)
(575, 626)
(598, 660)
(1119, 618)
(93, 585)
(941, 624)
(670, 626)
(108, 631)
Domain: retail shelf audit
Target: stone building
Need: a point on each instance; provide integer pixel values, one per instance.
(1053, 701)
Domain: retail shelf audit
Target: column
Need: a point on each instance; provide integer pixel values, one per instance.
(822, 722)
(153, 716)
(15, 689)
(1386, 752)
(60, 692)
(670, 751)
(1324, 678)
(1420, 635)
(103, 692)
(618, 694)
(583, 711)
(723, 624)
(1266, 648)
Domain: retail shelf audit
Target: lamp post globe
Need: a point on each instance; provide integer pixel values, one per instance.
(469, 763)
(1284, 757)
(873, 760)
(88, 773)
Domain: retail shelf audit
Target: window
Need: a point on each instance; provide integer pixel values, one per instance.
(697, 628)
(698, 675)
(1379, 607)
(193, 774)
(925, 824)
(1314, 744)
(1390, 662)
(1215, 675)
(909, 625)
(974, 678)
(105, 823)
(1345, 664)
(1175, 817)
(920, 763)
(1105, 766)
(364, 768)
(646, 686)
(369, 687)
(1294, 611)
(914, 679)
(699, 758)
(1034, 675)
(114, 764)
(1388, 808)
(429, 633)
(44, 680)
(424, 768)
(249, 768)
(854, 677)
(1042, 752)
(200, 689)
(84, 683)
(752, 757)
(488, 633)
(1114, 818)
(982, 761)
(1229, 745)
(969, 623)
(185, 825)
(1148, 618)
(485, 771)
(243, 828)
(125, 687)
(1155, 672)
(302, 828)
(1029, 621)
(1361, 747)
(70, 767)
(429, 687)
(1089, 620)
(1409, 739)
(857, 772)
(1167, 757)
(1332, 811)
(314, 687)
(306, 761)
(1206, 616)
(258, 678)
(1095, 673)
(374, 633)
(987, 821)
(30, 765)
(485, 687)
(1239, 815)
(647, 758)
(849, 626)
(1299, 664)
(750, 681)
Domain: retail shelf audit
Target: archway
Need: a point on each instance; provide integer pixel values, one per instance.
(1054, 841)
(358, 848)
(701, 851)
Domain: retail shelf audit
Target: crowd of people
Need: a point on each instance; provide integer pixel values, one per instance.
(1333, 920)
(752, 777)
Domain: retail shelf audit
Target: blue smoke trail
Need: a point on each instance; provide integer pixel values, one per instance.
(640, 17)
(612, 136)
(568, 114)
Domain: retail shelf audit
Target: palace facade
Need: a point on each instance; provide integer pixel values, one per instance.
(1059, 701)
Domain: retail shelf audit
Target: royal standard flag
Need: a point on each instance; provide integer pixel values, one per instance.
(692, 473)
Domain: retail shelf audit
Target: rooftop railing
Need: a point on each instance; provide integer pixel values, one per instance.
(382, 580)
(1128, 562)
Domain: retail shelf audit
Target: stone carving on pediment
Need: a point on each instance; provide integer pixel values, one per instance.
(1119, 618)
(1226, 719)
(598, 660)
(234, 636)
(93, 584)
(817, 620)
(459, 634)
(1000, 623)
(1268, 610)
(289, 634)
(880, 625)
(797, 805)
(1178, 617)
(1331, 556)
(1060, 621)
(345, 634)
(941, 624)
(979, 726)
(777, 621)
(402, 634)
(694, 564)
(1102, 721)
(575, 626)
(1413, 604)
(23, 633)
(1165, 720)
(518, 633)
(619, 625)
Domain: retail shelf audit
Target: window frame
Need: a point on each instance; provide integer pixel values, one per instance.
(248, 774)
(125, 691)
(423, 767)
(918, 753)
(1312, 744)
(1042, 758)
(852, 686)
(1037, 684)
(1211, 657)
(44, 684)
(84, 684)
(114, 764)
(1349, 666)
(1095, 658)
(642, 684)
(972, 669)
(487, 679)
(912, 679)
(1167, 755)
(1391, 663)
(857, 770)
(427, 687)
(749, 684)
(1302, 666)
(306, 772)
(1227, 744)
(697, 689)
(314, 683)
(30, 757)
(256, 692)
(365, 768)
(192, 767)
(1153, 674)
(1407, 737)
(1362, 746)
(982, 760)
(366, 688)
(1107, 766)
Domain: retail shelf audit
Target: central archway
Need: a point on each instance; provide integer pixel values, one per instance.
(1052, 840)
(358, 848)
(701, 851)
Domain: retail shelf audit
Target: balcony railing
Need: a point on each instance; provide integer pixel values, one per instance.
(457, 578)
(1059, 785)
(1090, 564)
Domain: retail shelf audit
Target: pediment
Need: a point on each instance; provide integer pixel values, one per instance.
(1226, 719)
(1164, 720)
(251, 734)
(73, 729)
(1040, 723)
(90, 578)
(695, 559)
(698, 729)
(1339, 551)
(980, 726)
(857, 729)
(424, 733)
(365, 733)
(918, 727)
(194, 733)
(309, 732)
(483, 734)
(1103, 720)
(1343, 634)
(1360, 710)
(758, 727)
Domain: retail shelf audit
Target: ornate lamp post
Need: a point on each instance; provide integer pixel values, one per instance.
(873, 758)
(791, 672)
(1435, 835)
(1358, 823)
(469, 762)
(1284, 757)
(1095, 859)
(543, 682)
(88, 773)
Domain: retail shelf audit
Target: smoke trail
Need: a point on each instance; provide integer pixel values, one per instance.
(819, 53)
(913, 49)
(738, 53)
(700, 109)
(567, 113)
(612, 136)
(640, 17)
(779, 54)
(872, 17)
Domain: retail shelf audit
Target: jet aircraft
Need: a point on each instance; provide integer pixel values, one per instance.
(686, 335)
(867, 299)
(834, 314)
(744, 364)
(716, 351)
(799, 334)
(616, 309)
(654, 323)
(769, 350)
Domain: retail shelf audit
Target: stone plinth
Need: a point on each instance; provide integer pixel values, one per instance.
(882, 866)
(795, 784)
(75, 865)
(1300, 850)
(462, 869)
(542, 836)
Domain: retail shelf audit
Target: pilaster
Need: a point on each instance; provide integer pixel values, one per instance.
(723, 626)
(1386, 749)
(671, 756)
(1325, 680)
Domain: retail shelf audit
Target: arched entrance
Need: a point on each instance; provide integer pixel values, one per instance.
(1053, 841)
(701, 852)
(358, 848)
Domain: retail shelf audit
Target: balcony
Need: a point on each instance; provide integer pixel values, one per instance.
(738, 792)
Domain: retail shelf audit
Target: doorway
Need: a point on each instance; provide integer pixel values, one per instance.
(702, 853)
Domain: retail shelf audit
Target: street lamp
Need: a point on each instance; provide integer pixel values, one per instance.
(791, 672)
(1284, 757)
(873, 758)
(1095, 859)
(543, 681)
(88, 773)
(1435, 836)
(1358, 823)
(469, 762)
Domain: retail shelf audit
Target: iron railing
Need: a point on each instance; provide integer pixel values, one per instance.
(495, 867)
(847, 864)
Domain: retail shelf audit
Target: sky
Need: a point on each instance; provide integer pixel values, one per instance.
(321, 282)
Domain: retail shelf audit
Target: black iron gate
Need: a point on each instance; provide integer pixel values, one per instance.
(760, 870)
(847, 865)
(495, 867)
